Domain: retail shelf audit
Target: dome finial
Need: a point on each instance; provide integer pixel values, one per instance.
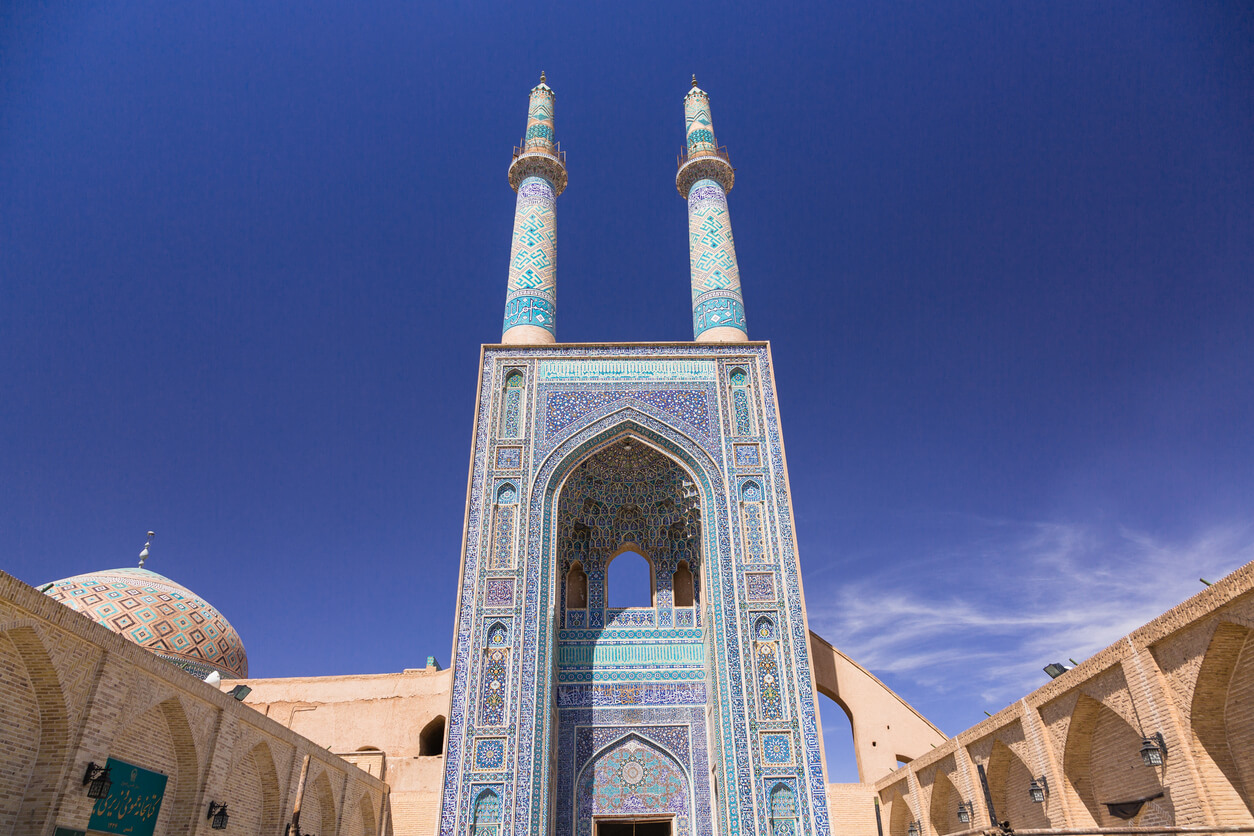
(694, 79)
(144, 554)
(543, 80)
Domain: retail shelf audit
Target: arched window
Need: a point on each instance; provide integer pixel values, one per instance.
(503, 516)
(431, 738)
(576, 587)
(751, 523)
(764, 630)
(495, 676)
(783, 810)
(486, 819)
(630, 581)
(770, 689)
(742, 423)
(681, 585)
(511, 406)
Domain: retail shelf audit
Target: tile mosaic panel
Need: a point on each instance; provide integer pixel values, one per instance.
(499, 592)
(525, 802)
(746, 455)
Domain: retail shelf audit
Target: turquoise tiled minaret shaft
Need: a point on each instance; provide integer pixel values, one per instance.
(538, 174)
(705, 176)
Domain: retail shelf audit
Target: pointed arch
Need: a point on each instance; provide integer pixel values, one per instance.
(1227, 671)
(1009, 779)
(764, 629)
(271, 811)
(49, 744)
(1102, 763)
(633, 583)
(683, 591)
(365, 812)
(900, 814)
(188, 783)
(253, 776)
(576, 587)
(498, 634)
(160, 739)
(555, 467)
(431, 738)
(485, 817)
(943, 810)
(319, 792)
(783, 810)
(668, 788)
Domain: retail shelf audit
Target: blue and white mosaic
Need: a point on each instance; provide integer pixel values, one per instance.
(601, 699)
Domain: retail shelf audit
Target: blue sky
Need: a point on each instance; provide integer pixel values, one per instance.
(1003, 252)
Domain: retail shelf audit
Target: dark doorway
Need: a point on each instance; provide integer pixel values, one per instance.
(634, 828)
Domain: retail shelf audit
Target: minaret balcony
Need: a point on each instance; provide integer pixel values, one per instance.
(714, 164)
(549, 163)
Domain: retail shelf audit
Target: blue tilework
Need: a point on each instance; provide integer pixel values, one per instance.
(737, 757)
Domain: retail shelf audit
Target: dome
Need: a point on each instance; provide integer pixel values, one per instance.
(158, 615)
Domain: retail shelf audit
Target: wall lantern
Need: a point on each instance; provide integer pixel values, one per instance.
(1038, 789)
(217, 812)
(1154, 749)
(98, 779)
(240, 691)
(965, 811)
(1055, 669)
(914, 828)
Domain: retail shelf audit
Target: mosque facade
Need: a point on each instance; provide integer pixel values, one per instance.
(693, 712)
(598, 471)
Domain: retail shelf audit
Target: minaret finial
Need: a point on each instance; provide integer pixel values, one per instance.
(543, 80)
(144, 554)
(694, 79)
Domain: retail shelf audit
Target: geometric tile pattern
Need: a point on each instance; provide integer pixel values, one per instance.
(777, 747)
(740, 401)
(760, 586)
(716, 295)
(563, 408)
(746, 455)
(634, 778)
(499, 592)
(537, 787)
(770, 702)
(531, 298)
(489, 753)
(531, 295)
(783, 810)
(160, 615)
(698, 125)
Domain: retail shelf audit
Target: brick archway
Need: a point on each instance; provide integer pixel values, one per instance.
(1008, 780)
(1102, 763)
(1226, 678)
(42, 685)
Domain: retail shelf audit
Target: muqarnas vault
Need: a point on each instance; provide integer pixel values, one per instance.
(693, 713)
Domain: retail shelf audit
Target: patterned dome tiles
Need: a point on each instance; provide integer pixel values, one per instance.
(159, 615)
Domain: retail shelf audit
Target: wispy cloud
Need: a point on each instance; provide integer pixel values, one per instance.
(985, 612)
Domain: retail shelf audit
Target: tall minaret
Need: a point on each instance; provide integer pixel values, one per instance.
(705, 177)
(538, 174)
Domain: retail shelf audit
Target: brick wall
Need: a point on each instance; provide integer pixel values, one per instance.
(73, 692)
(1188, 675)
(19, 733)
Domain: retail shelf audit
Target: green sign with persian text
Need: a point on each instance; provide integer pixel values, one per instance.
(133, 802)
